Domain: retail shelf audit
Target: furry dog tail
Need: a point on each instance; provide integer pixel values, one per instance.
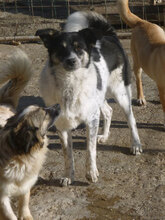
(128, 17)
(15, 73)
(87, 19)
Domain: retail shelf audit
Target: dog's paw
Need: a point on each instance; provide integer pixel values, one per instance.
(92, 176)
(65, 181)
(101, 139)
(141, 102)
(136, 149)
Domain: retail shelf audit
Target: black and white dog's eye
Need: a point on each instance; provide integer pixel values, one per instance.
(78, 49)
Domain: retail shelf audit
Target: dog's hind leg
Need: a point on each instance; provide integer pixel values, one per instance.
(162, 99)
(6, 212)
(24, 211)
(92, 131)
(66, 141)
(106, 111)
(123, 97)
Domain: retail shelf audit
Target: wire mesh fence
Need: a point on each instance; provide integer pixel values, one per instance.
(23, 17)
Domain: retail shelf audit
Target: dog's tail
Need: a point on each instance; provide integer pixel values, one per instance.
(17, 71)
(128, 17)
(87, 19)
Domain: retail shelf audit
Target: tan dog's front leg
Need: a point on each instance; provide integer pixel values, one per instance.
(6, 212)
(138, 72)
(24, 211)
(140, 96)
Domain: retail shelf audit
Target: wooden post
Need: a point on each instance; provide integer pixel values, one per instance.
(16, 10)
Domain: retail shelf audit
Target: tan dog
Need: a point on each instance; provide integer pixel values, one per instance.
(148, 51)
(23, 141)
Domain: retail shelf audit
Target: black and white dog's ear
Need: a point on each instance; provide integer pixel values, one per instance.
(91, 35)
(47, 36)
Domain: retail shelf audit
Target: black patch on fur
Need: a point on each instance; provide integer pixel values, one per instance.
(99, 80)
(93, 126)
(90, 36)
(51, 65)
(114, 55)
(95, 54)
(102, 25)
(23, 135)
(23, 140)
(111, 48)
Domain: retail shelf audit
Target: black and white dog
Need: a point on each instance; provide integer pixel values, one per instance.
(86, 63)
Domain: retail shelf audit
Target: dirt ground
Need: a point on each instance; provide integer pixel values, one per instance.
(129, 187)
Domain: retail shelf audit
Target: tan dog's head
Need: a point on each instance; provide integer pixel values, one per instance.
(28, 127)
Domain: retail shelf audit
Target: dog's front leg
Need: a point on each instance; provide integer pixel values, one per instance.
(106, 111)
(91, 167)
(6, 212)
(23, 209)
(66, 141)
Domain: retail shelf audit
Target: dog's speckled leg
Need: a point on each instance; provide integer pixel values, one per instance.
(91, 167)
(66, 140)
(124, 99)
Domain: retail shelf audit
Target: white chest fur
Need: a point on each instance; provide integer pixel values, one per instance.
(76, 92)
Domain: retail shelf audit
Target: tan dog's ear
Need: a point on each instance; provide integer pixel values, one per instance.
(23, 138)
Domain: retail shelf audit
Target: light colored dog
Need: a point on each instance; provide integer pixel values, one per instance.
(16, 72)
(148, 51)
(23, 141)
(86, 64)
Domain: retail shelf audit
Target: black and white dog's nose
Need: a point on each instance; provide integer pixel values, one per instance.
(71, 61)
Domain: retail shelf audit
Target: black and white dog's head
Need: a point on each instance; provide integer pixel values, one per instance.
(69, 49)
